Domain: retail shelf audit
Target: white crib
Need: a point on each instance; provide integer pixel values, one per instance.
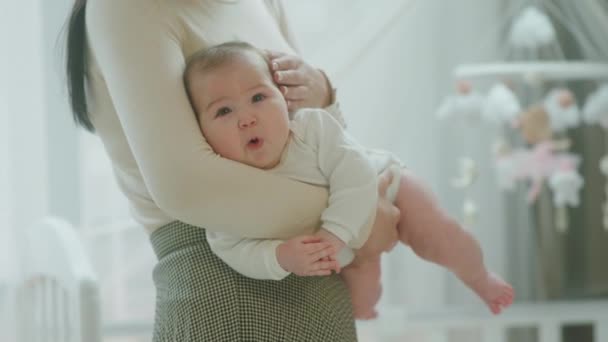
(547, 317)
(57, 299)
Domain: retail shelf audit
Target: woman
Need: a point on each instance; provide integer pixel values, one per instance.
(129, 56)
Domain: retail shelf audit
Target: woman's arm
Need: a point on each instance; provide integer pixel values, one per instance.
(137, 47)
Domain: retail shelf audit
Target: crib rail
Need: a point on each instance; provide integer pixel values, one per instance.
(547, 317)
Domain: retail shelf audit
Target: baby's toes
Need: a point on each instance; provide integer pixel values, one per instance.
(495, 308)
(504, 301)
(366, 315)
(509, 293)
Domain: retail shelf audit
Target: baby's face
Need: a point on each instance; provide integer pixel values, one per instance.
(242, 113)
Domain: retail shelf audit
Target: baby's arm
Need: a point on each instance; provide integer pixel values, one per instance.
(272, 259)
(351, 177)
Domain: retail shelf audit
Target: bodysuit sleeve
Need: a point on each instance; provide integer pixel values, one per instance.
(351, 177)
(137, 47)
(253, 258)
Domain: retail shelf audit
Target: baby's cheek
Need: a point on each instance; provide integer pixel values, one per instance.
(214, 140)
(228, 148)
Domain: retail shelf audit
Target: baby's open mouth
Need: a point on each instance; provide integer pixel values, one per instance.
(255, 142)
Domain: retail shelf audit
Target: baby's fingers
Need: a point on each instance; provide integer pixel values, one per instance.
(282, 61)
(384, 180)
(308, 239)
(323, 253)
(325, 266)
(317, 247)
(319, 273)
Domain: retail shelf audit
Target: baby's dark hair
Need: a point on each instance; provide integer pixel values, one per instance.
(213, 57)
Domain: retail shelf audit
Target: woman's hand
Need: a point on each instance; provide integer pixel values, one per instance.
(384, 233)
(301, 84)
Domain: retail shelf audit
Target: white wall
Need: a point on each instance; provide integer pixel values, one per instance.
(21, 69)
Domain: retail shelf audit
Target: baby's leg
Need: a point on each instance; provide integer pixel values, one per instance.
(363, 282)
(438, 238)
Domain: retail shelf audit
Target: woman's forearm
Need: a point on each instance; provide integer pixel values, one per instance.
(182, 175)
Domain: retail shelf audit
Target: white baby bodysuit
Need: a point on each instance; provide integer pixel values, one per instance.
(320, 153)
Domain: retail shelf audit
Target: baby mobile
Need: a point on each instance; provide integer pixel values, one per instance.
(540, 124)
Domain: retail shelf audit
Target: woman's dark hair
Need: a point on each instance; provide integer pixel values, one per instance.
(76, 65)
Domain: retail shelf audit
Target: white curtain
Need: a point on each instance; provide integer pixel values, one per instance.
(49, 167)
(22, 139)
(21, 86)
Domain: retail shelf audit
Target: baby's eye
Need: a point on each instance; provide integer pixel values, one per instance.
(258, 97)
(222, 111)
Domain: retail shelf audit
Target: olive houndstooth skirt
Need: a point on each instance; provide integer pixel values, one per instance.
(199, 298)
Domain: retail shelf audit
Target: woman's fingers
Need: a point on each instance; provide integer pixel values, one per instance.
(273, 54)
(291, 77)
(285, 62)
(384, 181)
(294, 93)
(292, 106)
(303, 85)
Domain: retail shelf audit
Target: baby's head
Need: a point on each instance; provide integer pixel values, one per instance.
(239, 109)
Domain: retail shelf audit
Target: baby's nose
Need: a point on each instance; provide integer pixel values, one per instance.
(247, 121)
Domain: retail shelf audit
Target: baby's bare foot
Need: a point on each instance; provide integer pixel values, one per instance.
(495, 292)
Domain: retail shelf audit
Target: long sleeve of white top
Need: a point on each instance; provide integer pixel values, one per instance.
(138, 47)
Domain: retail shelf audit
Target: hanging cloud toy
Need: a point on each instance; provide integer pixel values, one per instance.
(465, 104)
(566, 185)
(595, 110)
(562, 110)
(461, 106)
(501, 105)
(532, 29)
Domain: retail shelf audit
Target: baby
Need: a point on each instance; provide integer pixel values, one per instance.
(244, 117)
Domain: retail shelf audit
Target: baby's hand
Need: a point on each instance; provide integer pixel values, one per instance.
(330, 238)
(306, 256)
(334, 241)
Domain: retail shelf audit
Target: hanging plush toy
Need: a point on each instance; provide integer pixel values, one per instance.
(534, 125)
(547, 159)
(556, 114)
